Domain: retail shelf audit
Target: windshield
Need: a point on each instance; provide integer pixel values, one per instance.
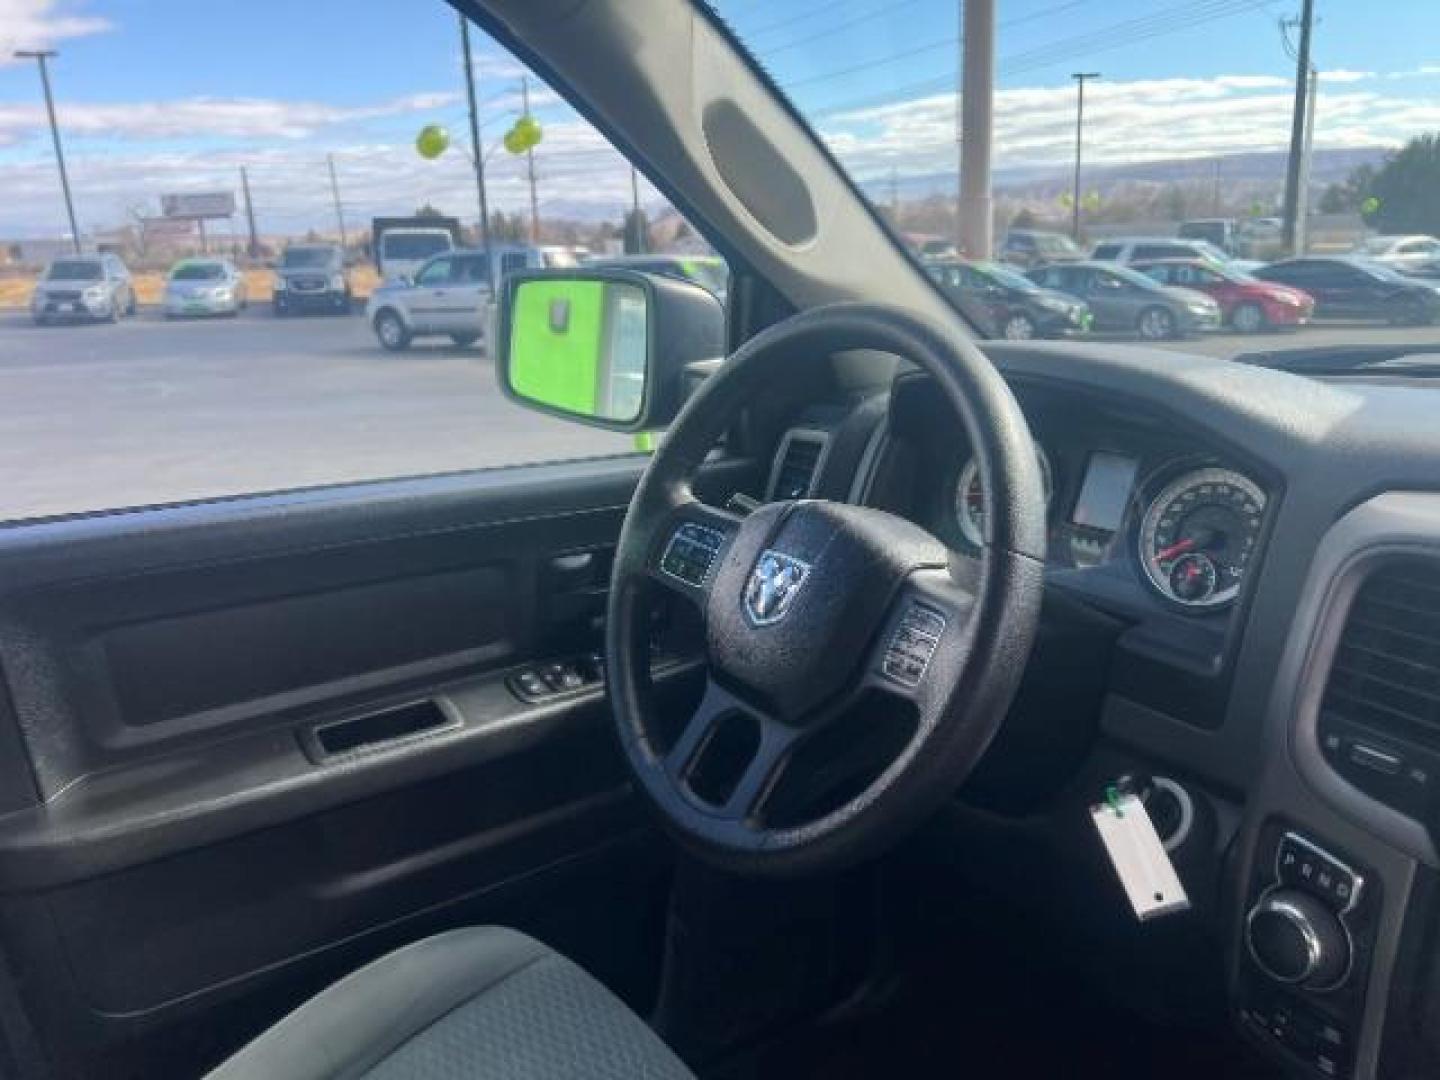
(1383, 272)
(75, 270)
(1054, 244)
(198, 272)
(307, 257)
(1006, 276)
(414, 245)
(1188, 129)
(1376, 245)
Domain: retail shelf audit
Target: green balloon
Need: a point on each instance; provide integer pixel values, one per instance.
(513, 142)
(1370, 205)
(529, 129)
(432, 141)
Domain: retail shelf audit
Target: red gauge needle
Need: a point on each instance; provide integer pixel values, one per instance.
(1175, 550)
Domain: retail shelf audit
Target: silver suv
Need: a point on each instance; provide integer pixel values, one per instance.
(450, 295)
(87, 287)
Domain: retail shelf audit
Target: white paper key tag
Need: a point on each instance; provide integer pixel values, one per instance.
(1139, 856)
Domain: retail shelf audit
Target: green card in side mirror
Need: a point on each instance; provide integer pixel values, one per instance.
(580, 347)
(606, 346)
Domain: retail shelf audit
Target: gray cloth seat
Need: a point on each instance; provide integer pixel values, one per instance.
(471, 1004)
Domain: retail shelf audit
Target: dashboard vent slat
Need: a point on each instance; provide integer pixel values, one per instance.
(1386, 672)
(799, 459)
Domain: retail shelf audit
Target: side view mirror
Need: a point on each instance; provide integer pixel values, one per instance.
(604, 347)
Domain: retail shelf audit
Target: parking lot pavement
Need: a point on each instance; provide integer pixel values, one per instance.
(148, 411)
(1317, 335)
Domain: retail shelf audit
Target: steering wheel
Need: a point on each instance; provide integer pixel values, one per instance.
(856, 668)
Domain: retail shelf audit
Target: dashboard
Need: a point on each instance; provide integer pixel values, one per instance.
(1225, 614)
(1125, 490)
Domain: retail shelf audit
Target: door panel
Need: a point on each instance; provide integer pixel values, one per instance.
(188, 846)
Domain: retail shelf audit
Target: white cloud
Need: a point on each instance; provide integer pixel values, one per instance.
(1135, 121)
(579, 175)
(40, 24)
(245, 118)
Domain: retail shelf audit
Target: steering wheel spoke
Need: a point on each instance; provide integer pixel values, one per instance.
(926, 638)
(729, 781)
(689, 545)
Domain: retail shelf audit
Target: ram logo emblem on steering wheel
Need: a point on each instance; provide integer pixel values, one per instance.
(773, 586)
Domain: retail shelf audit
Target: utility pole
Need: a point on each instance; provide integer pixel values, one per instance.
(960, 129)
(637, 223)
(530, 165)
(1080, 78)
(254, 248)
(1297, 127)
(977, 116)
(1302, 199)
(335, 194)
(477, 148)
(40, 56)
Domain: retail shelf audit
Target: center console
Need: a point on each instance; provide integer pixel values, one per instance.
(1335, 915)
(1309, 933)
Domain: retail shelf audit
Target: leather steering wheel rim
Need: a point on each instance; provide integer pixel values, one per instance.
(965, 687)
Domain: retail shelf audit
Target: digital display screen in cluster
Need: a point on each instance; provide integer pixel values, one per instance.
(1109, 479)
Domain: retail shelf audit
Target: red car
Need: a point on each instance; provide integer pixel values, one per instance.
(1246, 303)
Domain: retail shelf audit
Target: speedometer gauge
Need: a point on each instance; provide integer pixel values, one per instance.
(970, 497)
(1198, 535)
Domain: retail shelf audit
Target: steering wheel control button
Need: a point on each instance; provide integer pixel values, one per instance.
(691, 553)
(912, 645)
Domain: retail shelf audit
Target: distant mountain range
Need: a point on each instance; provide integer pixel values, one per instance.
(1253, 170)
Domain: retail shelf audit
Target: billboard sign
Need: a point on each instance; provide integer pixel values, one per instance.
(198, 204)
(168, 228)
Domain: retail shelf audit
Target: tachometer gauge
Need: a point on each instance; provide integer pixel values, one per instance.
(1198, 535)
(970, 497)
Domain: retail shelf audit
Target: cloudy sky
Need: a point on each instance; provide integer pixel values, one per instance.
(157, 96)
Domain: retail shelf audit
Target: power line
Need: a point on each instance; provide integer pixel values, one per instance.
(948, 45)
(1129, 32)
(761, 31)
(837, 28)
(905, 54)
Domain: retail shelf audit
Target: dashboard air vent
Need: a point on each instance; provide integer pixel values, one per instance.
(800, 455)
(1386, 673)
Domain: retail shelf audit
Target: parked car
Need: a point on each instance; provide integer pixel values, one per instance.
(1005, 303)
(1404, 253)
(1345, 287)
(1246, 303)
(450, 295)
(1130, 249)
(1222, 233)
(708, 271)
(1125, 300)
(83, 287)
(1035, 247)
(311, 277)
(205, 287)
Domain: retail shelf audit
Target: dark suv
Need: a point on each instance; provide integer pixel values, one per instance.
(311, 277)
